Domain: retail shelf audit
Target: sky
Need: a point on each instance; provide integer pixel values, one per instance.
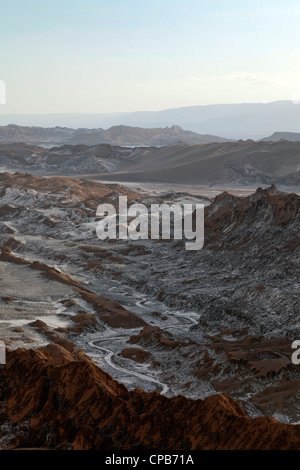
(102, 56)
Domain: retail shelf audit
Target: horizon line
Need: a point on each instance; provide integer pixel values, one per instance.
(146, 111)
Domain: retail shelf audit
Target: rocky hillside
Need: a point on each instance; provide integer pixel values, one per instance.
(57, 398)
(242, 162)
(227, 163)
(116, 135)
(64, 160)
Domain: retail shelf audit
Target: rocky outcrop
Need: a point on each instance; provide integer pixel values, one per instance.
(89, 193)
(53, 398)
(229, 220)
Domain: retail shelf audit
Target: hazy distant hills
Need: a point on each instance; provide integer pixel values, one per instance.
(219, 163)
(232, 121)
(116, 135)
(290, 136)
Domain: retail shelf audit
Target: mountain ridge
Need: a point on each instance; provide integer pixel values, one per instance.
(117, 135)
(89, 410)
(231, 121)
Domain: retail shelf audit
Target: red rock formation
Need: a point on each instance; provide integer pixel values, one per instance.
(57, 399)
(153, 335)
(136, 354)
(230, 212)
(89, 192)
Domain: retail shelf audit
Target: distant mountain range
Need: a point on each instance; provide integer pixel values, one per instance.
(290, 136)
(231, 121)
(116, 135)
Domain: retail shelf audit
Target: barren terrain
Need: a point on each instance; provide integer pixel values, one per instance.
(150, 313)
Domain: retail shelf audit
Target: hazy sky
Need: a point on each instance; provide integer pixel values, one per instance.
(127, 55)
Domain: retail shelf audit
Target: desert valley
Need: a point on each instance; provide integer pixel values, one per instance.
(105, 338)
